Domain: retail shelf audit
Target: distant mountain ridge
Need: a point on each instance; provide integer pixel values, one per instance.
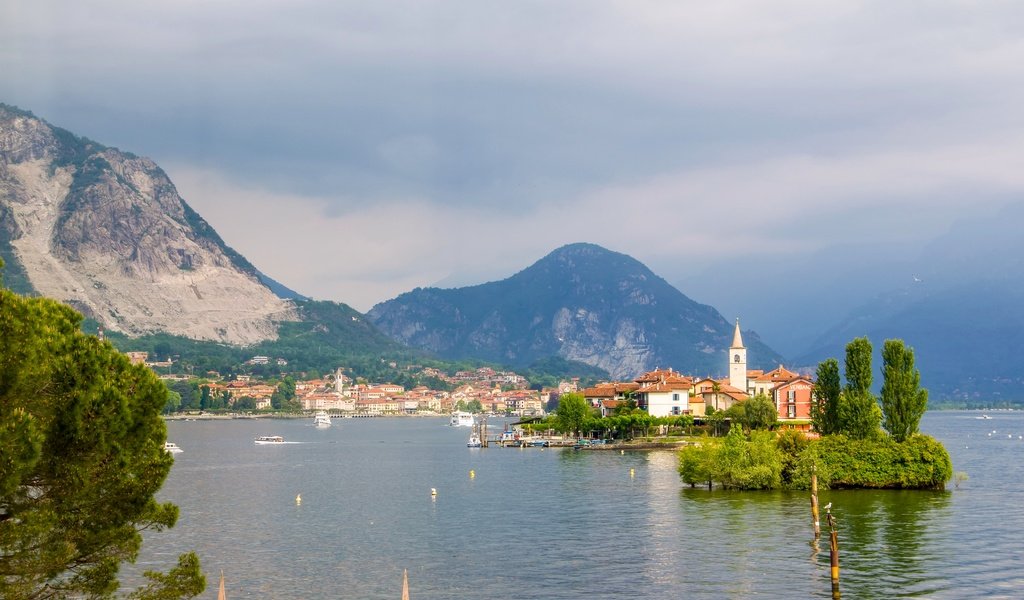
(580, 302)
(963, 312)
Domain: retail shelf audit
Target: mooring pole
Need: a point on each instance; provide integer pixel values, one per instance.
(833, 548)
(814, 503)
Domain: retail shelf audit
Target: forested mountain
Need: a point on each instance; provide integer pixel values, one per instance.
(581, 302)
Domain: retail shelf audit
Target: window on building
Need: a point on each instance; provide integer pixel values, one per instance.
(792, 410)
(675, 410)
(675, 397)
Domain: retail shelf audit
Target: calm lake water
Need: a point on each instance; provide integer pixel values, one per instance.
(562, 524)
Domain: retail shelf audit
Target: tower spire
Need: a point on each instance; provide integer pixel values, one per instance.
(737, 338)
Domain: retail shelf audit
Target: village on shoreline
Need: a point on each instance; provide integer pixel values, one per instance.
(659, 393)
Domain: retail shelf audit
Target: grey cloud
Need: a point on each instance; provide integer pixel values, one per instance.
(537, 108)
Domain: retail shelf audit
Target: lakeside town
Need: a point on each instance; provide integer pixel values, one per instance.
(661, 392)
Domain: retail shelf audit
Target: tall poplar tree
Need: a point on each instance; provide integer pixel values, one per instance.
(859, 415)
(81, 457)
(903, 400)
(827, 394)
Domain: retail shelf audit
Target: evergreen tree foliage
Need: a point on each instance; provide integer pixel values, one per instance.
(859, 414)
(81, 457)
(903, 400)
(858, 366)
(826, 398)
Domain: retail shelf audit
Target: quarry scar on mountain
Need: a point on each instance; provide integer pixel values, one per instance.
(107, 233)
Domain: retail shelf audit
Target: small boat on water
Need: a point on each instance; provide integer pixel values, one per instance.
(172, 448)
(321, 419)
(474, 441)
(462, 419)
(270, 439)
(983, 417)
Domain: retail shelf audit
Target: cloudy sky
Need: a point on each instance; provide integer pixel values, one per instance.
(355, 150)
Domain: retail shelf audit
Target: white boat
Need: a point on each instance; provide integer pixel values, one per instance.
(321, 419)
(462, 419)
(270, 439)
(983, 417)
(474, 441)
(172, 448)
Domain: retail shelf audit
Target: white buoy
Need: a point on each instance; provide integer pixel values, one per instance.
(433, 491)
(298, 500)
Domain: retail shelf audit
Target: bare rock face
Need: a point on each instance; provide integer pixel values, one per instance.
(107, 232)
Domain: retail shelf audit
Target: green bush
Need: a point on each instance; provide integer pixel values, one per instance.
(697, 462)
(788, 460)
(734, 463)
(920, 462)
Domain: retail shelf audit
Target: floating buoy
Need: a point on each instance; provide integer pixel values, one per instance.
(632, 472)
(298, 500)
(472, 474)
(622, 451)
(433, 491)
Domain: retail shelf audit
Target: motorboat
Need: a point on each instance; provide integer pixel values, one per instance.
(462, 419)
(321, 419)
(172, 448)
(474, 441)
(983, 417)
(270, 439)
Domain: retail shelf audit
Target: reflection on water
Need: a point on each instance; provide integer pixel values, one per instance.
(566, 524)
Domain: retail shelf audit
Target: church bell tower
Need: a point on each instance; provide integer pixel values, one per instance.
(738, 361)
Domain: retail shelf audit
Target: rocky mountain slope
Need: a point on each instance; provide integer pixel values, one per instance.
(106, 232)
(581, 302)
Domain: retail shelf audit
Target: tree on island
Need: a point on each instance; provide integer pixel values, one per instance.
(760, 413)
(81, 457)
(903, 400)
(826, 398)
(859, 415)
(573, 410)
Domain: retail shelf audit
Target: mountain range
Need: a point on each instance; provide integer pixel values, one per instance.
(107, 232)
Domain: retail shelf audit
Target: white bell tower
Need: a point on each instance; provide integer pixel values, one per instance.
(738, 361)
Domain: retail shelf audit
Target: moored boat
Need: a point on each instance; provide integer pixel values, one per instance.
(322, 419)
(172, 448)
(462, 419)
(474, 441)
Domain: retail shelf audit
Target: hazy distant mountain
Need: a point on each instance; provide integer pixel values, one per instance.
(962, 311)
(581, 302)
(106, 232)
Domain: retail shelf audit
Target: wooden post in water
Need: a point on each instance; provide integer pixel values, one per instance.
(814, 503)
(405, 584)
(833, 550)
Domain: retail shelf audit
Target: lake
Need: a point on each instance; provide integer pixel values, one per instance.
(559, 523)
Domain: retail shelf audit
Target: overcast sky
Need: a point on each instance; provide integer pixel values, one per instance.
(356, 150)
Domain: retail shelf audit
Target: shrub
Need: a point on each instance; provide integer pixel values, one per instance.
(920, 462)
